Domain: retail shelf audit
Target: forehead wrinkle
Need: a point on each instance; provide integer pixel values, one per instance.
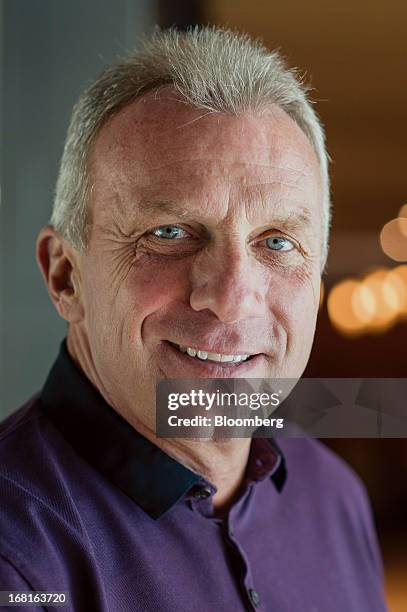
(283, 177)
(173, 205)
(269, 166)
(280, 212)
(273, 185)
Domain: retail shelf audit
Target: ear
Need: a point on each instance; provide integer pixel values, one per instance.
(59, 265)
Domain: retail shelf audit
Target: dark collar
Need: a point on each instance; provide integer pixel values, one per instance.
(110, 444)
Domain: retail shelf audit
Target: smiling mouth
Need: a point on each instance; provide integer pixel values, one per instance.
(197, 353)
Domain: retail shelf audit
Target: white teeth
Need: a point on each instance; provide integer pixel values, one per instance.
(207, 356)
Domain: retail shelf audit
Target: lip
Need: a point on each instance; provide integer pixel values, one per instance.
(213, 349)
(194, 367)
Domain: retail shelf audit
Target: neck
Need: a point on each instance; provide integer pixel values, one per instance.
(221, 462)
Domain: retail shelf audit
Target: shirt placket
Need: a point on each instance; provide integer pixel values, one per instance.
(251, 596)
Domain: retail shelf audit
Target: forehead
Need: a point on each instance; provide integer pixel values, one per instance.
(159, 146)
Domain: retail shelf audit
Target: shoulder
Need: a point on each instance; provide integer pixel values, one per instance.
(327, 489)
(26, 413)
(33, 463)
(309, 460)
(325, 484)
(29, 442)
(23, 439)
(43, 536)
(35, 500)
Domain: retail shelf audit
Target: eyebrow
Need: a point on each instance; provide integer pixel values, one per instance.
(296, 219)
(153, 208)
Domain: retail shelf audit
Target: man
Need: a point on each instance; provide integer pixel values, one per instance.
(187, 240)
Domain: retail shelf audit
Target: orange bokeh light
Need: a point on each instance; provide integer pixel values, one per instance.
(397, 277)
(385, 302)
(370, 305)
(393, 239)
(341, 310)
(403, 211)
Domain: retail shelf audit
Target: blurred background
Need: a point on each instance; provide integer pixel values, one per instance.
(355, 55)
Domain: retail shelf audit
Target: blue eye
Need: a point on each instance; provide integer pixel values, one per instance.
(169, 232)
(278, 243)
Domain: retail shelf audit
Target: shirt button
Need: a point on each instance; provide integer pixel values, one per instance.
(202, 493)
(254, 597)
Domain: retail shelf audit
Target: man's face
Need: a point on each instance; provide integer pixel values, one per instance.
(206, 233)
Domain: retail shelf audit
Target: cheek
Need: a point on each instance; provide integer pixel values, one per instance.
(151, 286)
(303, 304)
(297, 307)
(303, 315)
(117, 303)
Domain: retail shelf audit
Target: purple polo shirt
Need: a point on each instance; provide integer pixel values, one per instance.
(91, 508)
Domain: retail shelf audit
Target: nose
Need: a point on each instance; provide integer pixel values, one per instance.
(230, 284)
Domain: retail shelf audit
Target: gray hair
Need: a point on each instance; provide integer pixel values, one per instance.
(210, 68)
